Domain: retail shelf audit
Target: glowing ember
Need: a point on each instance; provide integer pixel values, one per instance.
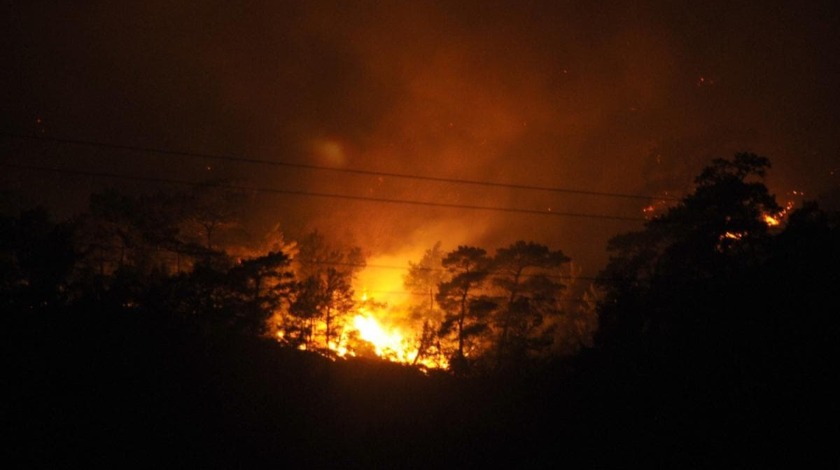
(771, 221)
(775, 220)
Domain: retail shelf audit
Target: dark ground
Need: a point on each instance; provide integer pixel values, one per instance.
(94, 391)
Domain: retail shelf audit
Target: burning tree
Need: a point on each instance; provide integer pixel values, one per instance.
(498, 312)
(423, 279)
(325, 289)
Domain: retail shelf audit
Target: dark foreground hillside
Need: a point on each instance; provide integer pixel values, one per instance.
(87, 390)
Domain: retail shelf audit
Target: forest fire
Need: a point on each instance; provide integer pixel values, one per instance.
(379, 324)
(367, 335)
(329, 234)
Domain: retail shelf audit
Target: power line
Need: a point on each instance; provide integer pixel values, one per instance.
(232, 158)
(171, 181)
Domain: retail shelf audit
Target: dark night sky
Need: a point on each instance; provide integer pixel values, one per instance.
(623, 97)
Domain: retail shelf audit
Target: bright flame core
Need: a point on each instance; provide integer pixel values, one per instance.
(771, 221)
(379, 326)
(387, 344)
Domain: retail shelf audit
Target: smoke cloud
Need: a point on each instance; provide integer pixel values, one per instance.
(630, 98)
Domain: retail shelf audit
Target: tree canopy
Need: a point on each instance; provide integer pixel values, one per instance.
(713, 292)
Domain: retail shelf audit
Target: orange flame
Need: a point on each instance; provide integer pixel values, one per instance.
(772, 221)
(388, 344)
(775, 220)
(380, 326)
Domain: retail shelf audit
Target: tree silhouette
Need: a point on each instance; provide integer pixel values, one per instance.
(423, 279)
(526, 275)
(798, 323)
(259, 287)
(36, 260)
(147, 232)
(720, 318)
(466, 311)
(213, 207)
(708, 238)
(108, 233)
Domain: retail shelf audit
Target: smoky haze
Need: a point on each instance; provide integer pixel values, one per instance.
(628, 98)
